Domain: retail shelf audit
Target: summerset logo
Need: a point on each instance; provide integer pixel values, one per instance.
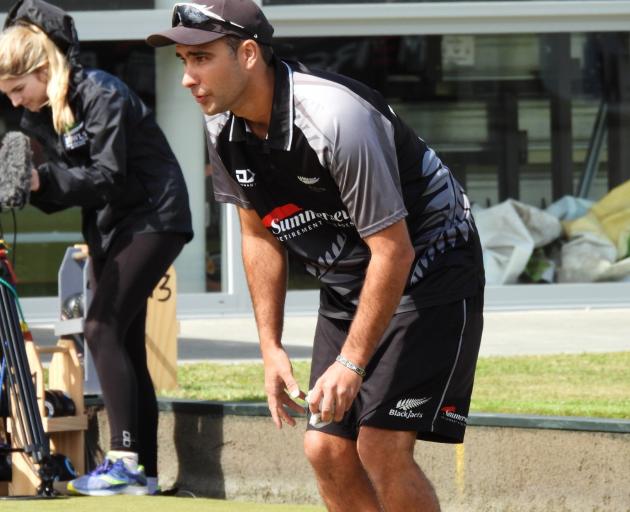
(290, 221)
(404, 408)
(450, 414)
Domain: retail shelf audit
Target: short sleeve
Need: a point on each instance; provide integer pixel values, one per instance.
(364, 165)
(355, 142)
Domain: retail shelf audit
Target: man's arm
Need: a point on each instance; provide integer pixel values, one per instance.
(391, 257)
(265, 264)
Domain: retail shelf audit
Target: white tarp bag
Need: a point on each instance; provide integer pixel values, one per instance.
(509, 232)
(590, 257)
(543, 227)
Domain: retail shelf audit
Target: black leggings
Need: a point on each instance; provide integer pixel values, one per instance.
(121, 283)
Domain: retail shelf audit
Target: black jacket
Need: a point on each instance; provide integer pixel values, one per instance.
(115, 163)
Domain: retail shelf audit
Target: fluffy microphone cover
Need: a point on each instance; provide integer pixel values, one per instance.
(16, 159)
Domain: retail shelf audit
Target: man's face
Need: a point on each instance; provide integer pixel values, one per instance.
(28, 91)
(214, 76)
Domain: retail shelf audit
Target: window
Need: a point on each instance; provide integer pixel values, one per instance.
(213, 223)
(511, 115)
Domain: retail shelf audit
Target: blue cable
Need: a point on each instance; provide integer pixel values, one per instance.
(19, 307)
(4, 365)
(15, 295)
(4, 360)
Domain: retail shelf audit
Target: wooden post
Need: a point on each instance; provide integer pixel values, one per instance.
(162, 329)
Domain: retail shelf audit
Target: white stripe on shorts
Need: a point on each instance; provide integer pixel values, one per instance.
(448, 382)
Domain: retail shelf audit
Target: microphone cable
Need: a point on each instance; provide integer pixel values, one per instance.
(15, 234)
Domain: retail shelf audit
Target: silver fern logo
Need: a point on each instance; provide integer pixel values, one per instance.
(411, 403)
(328, 259)
(308, 181)
(404, 408)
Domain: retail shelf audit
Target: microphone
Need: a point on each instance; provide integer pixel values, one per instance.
(16, 163)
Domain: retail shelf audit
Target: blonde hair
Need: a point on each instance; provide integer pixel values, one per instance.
(25, 48)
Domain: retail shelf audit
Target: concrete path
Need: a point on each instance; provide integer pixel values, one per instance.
(232, 339)
(505, 333)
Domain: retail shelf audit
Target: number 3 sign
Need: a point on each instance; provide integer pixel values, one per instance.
(162, 328)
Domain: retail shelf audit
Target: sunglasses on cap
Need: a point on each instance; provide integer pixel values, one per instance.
(198, 16)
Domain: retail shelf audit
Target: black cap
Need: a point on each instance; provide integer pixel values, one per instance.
(204, 21)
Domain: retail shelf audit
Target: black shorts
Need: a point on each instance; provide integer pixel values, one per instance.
(421, 376)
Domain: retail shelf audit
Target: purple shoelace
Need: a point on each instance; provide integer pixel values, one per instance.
(103, 468)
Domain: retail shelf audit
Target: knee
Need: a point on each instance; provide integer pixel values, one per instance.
(372, 456)
(382, 456)
(94, 332)
(322, 450)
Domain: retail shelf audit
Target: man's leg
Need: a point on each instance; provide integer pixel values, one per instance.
(342, 481)
(400, 484)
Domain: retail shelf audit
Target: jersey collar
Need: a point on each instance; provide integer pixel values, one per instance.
(280, 134)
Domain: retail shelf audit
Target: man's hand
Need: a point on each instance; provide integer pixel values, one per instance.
(334, 392)
(34, 180)
(281, 387)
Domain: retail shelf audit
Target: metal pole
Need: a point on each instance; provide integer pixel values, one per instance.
(13, 332)
(20, 419)
(593, 152)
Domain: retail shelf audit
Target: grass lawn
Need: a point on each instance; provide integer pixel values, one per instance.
(31, 219)
(36, 264)
(141, 503)
(595, 385)
(592, 385)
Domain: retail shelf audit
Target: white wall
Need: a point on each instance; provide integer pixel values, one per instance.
(182, 121)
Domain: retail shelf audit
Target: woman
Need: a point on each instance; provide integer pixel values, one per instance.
(106, 154)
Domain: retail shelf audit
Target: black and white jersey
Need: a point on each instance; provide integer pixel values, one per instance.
(338, 165)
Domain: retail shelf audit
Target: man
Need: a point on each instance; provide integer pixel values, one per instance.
(319, 165)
